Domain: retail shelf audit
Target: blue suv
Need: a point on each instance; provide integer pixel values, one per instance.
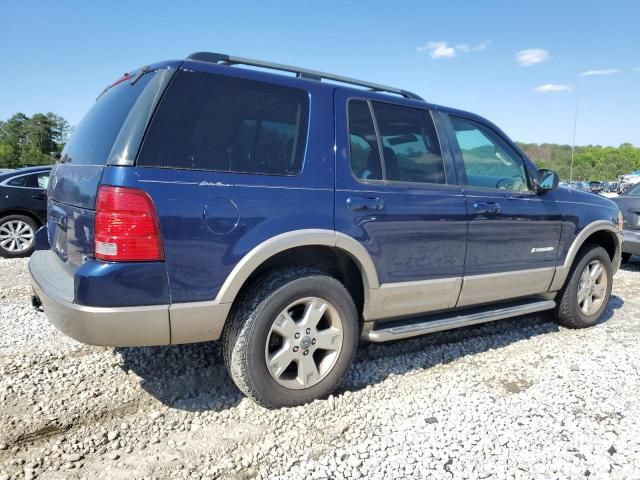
(290, 217)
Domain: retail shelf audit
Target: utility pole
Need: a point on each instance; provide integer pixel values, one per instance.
(575, 124)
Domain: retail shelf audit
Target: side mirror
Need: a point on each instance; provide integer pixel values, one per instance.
(546, 180)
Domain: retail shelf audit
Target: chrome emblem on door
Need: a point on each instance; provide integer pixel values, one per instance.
(541, 249)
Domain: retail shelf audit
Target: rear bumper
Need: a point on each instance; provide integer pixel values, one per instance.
(631, 242)
(120, 326)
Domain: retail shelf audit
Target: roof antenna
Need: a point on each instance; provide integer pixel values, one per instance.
(575, 123)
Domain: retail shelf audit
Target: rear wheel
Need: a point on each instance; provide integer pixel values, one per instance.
(626, 257)
(585, 296)
(17, 236)
(291, 337)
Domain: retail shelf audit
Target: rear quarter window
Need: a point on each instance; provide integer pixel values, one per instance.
(225, 124)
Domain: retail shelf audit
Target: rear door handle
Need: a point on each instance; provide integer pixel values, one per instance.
(486, 207)
(358, 204)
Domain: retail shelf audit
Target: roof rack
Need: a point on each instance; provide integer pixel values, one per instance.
(300, 72)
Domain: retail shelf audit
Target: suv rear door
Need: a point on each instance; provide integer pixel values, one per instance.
(396, 193)
(513, 231)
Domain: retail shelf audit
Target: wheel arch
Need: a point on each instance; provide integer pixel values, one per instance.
(255, 260)
(600, 232)
(23, 212)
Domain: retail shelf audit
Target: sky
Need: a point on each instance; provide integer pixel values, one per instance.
(520, 64)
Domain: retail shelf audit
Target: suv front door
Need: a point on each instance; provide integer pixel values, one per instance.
(513, 232)
(396, 193)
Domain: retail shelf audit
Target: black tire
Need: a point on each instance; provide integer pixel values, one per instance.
(5, 250)
(568, 311)
(247, 329)
(625, 257)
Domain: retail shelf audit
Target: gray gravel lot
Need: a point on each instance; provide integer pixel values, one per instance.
(519, 398)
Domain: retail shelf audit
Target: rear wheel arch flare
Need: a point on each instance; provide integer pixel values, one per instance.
(345, 250)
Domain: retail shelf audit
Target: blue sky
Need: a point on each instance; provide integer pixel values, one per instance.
(57, 56)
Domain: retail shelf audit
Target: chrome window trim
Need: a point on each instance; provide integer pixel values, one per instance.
(5, 182)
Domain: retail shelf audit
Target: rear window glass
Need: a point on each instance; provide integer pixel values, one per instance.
(91, 141)
(410, 145)
(225, 124)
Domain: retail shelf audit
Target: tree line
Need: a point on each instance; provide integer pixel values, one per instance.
(591, 162)
(35, 140)
(39, 139)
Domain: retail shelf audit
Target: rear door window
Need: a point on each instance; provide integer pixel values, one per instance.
(34, 180)
(410, 145)
(20, 181)
(226, 124)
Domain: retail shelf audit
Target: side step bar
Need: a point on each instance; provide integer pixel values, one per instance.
(461, 320)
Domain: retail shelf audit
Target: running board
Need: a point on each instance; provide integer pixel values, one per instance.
(461, 320)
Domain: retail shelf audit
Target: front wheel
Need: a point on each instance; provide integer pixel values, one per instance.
(585, 296)
(17, 236)
(291, 338)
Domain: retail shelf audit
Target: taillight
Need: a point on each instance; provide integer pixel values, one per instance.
(126, 227)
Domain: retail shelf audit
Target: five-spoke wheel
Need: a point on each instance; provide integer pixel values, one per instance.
(585, 295)
(304, 343)
(592, 288)
(292, 337)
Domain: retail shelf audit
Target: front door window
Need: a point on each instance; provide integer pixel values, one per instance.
(489, 161)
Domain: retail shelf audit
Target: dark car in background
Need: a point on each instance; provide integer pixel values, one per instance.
(596, 187)
(23, 208)
(629, 203)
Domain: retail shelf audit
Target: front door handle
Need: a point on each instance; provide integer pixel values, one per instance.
(39, 197)
(359, 204)
(486, 207)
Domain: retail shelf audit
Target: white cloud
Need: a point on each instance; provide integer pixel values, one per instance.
(481, 46)
(552, 88)
(444, 50)
(438, 50)
(591, 73)
(532, 56)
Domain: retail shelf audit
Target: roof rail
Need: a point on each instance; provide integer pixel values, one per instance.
(300, 72)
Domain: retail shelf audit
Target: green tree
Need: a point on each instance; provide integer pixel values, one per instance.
(35, 140)
(591, 162)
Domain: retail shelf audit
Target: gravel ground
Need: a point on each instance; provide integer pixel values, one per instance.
(519, 398)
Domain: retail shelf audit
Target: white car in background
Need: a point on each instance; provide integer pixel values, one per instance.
(626, 181)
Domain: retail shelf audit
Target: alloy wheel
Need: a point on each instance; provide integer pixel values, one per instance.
(16, 236)
(592, 288)
(304, 343)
